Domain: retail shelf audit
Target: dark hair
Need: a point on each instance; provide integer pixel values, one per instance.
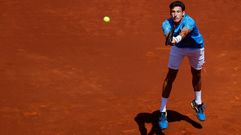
(177, 3)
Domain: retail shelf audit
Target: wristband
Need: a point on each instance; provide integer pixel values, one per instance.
(177, 38)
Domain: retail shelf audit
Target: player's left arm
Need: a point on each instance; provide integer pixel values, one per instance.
(184, 32)
(188, 27)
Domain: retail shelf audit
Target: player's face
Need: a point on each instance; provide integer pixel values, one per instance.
(177, 14)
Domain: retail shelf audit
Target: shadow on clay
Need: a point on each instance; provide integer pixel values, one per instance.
(153, 118)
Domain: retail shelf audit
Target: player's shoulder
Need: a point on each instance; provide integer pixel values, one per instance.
(168, 21)
(188, 18)
(188, 21)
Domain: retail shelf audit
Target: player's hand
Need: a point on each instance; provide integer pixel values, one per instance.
(173, 41)
(169, 37)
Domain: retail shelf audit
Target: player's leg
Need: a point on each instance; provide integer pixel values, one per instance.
(167, 84)
(175, 59)
(166, 90)
(196, 59)
(196, 83)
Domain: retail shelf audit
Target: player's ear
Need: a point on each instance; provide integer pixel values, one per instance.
(183, 13)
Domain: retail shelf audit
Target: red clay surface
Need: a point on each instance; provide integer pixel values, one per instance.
(64, 72)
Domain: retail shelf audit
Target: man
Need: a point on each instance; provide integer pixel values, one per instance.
(186, 42)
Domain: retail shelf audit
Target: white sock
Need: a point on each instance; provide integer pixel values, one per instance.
(198, 97)
(163, 105)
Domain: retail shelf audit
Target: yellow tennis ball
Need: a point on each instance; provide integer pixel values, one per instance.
(106, 19)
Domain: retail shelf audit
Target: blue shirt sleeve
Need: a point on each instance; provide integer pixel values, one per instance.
(166, 27)
(189, 23)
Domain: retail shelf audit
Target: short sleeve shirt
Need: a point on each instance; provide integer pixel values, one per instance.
(193, 40)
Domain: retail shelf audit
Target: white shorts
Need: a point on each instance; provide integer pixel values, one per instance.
(195, 56)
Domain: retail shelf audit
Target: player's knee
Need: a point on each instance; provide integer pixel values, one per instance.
(196, 73)
(171, 75)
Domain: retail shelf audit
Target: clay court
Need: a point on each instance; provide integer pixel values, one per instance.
(66, 72)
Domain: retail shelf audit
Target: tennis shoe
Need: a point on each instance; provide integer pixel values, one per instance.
(199, 109)
(163, 123)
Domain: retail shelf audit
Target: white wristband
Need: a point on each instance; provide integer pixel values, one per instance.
(177, 38)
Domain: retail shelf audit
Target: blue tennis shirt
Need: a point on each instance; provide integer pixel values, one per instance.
(193, 40)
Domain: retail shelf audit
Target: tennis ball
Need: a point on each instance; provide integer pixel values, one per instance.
(106, 19)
